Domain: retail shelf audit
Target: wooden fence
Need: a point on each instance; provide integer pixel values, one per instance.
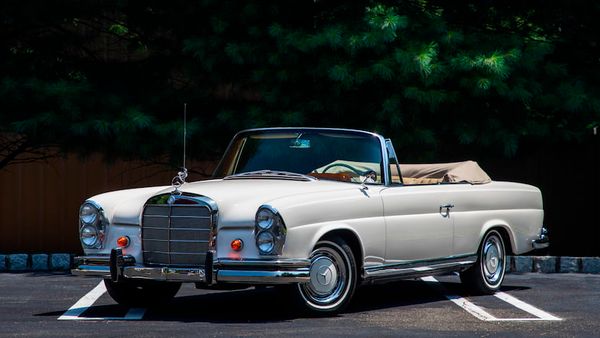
(39, 202)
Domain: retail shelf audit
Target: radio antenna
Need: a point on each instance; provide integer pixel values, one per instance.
(179, 180)
(184, 131)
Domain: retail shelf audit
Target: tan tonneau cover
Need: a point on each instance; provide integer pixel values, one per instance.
(467, 171)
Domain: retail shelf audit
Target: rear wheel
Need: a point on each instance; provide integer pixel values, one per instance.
(141, 293)
(487, 274)
(333, 277)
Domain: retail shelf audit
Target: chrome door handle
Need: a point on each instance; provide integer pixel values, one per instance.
(445, 209)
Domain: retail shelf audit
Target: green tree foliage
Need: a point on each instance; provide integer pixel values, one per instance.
(436, 76)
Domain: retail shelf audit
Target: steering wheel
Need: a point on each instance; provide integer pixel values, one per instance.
(354, 170)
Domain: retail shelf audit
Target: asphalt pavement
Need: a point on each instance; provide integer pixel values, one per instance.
(554, 305)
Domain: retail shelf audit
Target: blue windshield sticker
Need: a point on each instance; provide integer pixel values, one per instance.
(299, 143)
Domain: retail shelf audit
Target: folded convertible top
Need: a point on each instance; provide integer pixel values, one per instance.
(467, 171)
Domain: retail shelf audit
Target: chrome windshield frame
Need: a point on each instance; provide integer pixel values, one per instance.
(382, 145)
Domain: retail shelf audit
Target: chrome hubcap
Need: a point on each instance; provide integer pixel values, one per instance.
(328, 278)
(493, 259)
(323, 275)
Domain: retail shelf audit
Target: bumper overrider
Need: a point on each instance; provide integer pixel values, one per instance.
(245, 271)
(543, 241)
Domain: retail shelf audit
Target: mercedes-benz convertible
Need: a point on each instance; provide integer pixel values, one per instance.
(318, 211)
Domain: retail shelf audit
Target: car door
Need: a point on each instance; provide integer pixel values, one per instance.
(418, 225)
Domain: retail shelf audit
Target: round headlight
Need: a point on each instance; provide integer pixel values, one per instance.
(265, 242)
(265, 219)
(89, 235)
(88, 214)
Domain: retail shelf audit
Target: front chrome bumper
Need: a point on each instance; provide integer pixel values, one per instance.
(255, 271)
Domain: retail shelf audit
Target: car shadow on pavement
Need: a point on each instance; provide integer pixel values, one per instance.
(275, 305)
(266, 305)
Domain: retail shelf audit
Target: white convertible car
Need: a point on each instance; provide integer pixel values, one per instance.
(320, 210)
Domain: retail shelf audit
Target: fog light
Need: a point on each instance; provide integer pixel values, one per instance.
(123, 241)
(237, 244)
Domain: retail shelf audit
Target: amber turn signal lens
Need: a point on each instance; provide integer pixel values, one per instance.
(237, 244)
(123, 241)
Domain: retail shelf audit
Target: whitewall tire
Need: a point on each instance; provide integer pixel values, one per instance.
(487, 274)
(333, 278)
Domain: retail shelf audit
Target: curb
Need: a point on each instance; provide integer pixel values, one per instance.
(553, 264)
(515, 264)
(23, 262)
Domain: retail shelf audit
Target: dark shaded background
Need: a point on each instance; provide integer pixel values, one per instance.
(513, 86)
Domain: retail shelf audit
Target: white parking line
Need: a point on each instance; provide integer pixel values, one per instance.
(543, 315)
(481, 314)
(75, 311)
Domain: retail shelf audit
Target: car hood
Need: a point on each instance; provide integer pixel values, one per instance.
(237, 199)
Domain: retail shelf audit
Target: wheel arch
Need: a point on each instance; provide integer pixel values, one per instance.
(505, 231)
(353, 241)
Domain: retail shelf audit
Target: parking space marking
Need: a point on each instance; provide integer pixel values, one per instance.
(481, 314)
(471, 308)
(543, 315)
(75, 311)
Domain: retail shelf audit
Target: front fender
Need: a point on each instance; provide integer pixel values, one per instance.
(370, 233)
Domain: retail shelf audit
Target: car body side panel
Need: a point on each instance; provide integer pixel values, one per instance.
(512, 206)
(415, 228)
(308, 218)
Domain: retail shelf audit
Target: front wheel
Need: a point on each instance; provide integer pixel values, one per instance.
(141, 293)
(333, 277)
(487, 274)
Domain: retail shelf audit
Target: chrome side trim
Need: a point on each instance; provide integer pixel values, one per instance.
(263, 277)
(417, 268)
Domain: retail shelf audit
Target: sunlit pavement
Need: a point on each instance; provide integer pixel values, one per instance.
(531, 304)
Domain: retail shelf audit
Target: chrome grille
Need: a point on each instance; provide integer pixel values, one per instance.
(176, 235)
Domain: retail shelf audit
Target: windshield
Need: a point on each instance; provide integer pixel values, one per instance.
(348, 156)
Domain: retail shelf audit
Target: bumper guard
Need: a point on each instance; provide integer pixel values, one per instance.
(543, 241)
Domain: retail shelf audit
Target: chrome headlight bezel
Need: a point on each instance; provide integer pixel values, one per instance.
(88, 213)
(265, 219)
(89, 236)
(268, 223)
(265, 242)
(91, 220)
